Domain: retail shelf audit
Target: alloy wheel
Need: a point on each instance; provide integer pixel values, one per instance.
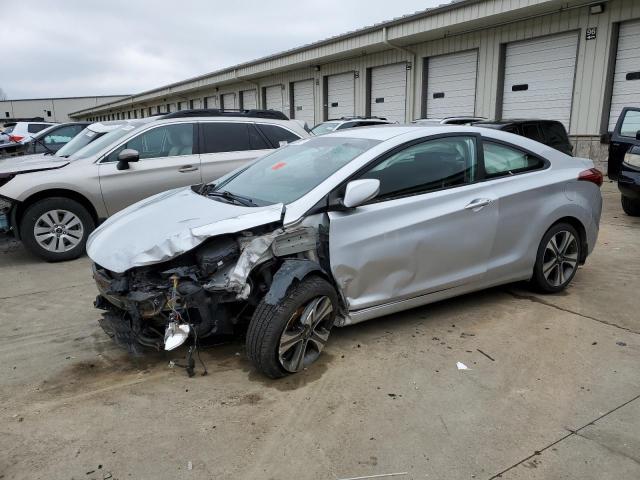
(560, 258)
(58, 231)
(306, 334)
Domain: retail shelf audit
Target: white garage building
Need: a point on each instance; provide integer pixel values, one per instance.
(577, 61)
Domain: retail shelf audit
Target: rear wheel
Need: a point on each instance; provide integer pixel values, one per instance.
(557, 259)
(56, 229)
(289, 336)
(631, 206)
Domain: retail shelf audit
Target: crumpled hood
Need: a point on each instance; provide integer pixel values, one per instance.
(31, 163)
(169, 224)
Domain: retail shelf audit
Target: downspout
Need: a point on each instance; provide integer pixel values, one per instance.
(412, 54)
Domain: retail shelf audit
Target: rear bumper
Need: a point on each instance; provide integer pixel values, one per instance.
(629, 183)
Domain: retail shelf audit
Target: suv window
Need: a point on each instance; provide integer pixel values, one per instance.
(427, 166)
(62, 134)
(36, 127)
(231, 137)
(630, 124)
(531, 130)
(555, 133)
(164, 141)
(276, 134)
(500, 160)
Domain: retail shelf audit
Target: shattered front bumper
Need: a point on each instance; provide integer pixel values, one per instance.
(5, 214)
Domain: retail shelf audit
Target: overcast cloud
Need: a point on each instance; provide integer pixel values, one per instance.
(84, 47)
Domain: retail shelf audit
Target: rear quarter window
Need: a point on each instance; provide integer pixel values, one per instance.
(276, 134)
(36, 127)
(555, 134)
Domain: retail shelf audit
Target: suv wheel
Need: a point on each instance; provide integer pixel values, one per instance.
(56, 229)
(631, 206)
(288, 337)
(557, 259)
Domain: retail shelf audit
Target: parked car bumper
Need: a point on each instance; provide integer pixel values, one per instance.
(629, 183)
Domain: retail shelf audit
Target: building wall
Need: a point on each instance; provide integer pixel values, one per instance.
(590, 103)
(59, 108)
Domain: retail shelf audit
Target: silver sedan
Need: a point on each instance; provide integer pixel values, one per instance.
(334, 230)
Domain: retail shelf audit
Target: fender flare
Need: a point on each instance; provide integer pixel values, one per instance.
(291, 270)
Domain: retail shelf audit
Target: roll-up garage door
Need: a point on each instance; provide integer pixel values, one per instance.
(195, 103)
(389, 92)
(303, 102)
(626, 79)
(249, 99)
(211, 102)
(539, 76)
(341, 95)
(228, 101)
(451, 85)
(273, 97)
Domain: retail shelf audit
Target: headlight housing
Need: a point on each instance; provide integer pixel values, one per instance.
(632, 159)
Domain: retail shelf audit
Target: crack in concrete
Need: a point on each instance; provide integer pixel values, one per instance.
(571, 433)
(535, 299)
(609, 449)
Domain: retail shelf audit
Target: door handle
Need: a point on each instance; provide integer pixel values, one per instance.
(478, 203)
(187, 168)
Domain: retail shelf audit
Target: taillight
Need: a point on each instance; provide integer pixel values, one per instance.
(592, 175)
(15, 138)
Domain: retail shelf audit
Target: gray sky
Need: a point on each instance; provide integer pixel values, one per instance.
(80, 47)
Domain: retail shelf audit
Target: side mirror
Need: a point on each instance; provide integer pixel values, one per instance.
(127, 156)
(638, 135)
(360, 191)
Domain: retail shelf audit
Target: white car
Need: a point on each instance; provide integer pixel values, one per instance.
(21, 131)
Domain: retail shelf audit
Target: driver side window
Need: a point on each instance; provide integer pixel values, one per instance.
(425, 167)
(164, 141)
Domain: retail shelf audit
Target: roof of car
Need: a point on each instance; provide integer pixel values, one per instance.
(380, 132)
(513, 121)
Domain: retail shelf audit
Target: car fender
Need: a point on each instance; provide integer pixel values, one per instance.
(292, 270)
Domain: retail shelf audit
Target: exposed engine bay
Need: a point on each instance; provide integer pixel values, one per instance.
(207, 292)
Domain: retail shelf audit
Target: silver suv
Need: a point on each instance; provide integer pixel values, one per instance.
(52, 204)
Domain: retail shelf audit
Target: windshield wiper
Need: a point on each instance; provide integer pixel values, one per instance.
(227, 195)
(41, 142)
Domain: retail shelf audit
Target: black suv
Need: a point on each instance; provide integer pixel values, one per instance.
(624, 159)
(549, 132)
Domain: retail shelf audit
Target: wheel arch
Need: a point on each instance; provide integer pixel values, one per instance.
(291, 272)
(50, 193)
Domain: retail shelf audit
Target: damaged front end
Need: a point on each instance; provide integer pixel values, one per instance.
(205, 293)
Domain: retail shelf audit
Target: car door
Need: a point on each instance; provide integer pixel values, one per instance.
(168, 160)
(524, 195)
(430, 228)
(623, 138)
(225, 146)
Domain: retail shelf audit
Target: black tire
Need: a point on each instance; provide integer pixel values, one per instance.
(546, 283)
(34, 212)
(631, 206)
(269, 322)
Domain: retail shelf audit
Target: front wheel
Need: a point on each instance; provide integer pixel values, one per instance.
(631, 206)
(289, 336)
(56, 229)
(557, 259)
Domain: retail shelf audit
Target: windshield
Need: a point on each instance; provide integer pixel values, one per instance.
(81, 140)
(100, 141)
(325, 127)
(293, 171)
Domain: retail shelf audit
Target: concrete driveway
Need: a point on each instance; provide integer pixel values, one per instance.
(552, 388)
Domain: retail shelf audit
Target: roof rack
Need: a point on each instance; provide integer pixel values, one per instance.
(218, 112)
(360, 117)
